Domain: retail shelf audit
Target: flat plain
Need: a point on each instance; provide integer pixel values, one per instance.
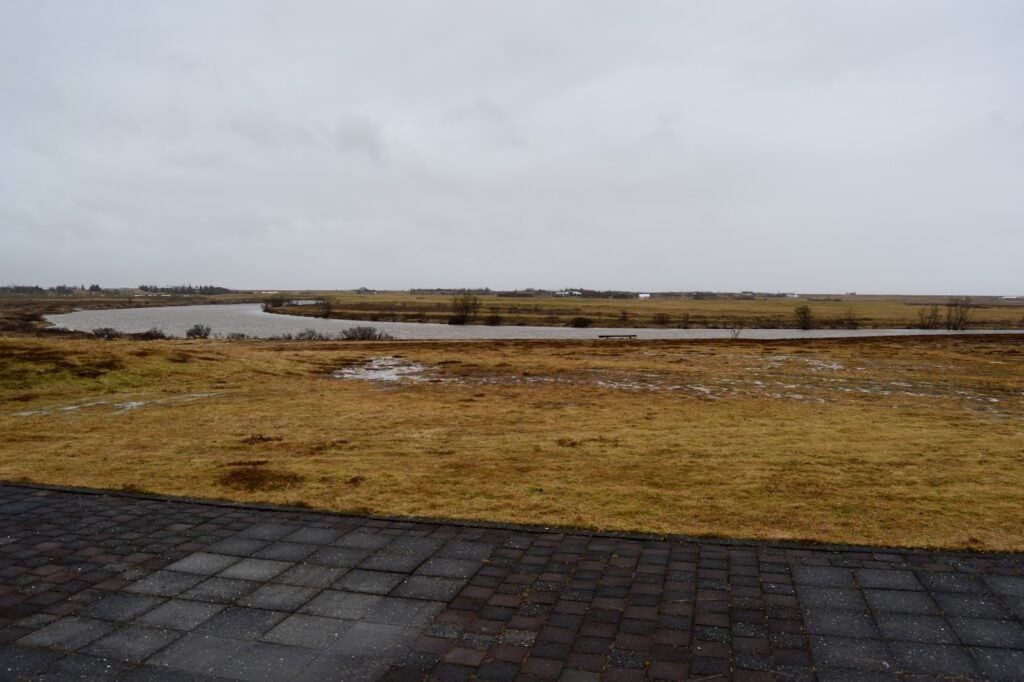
(899, 441)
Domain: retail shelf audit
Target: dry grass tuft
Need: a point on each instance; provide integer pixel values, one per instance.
(256, 476)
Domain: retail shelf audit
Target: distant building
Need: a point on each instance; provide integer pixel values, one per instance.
(643, 296)
(568, 292)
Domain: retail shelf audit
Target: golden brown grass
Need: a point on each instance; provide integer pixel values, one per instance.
(775, 312)
(914, 442)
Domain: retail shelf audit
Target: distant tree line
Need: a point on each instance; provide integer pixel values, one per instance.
(202, 289)
(60, 289)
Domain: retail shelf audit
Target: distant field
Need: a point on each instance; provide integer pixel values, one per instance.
(910, 441)
(24, 313)
(776, 312)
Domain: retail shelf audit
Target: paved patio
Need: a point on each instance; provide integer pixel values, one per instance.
(127, 587)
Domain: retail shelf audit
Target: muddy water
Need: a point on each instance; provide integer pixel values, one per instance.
(249, 319)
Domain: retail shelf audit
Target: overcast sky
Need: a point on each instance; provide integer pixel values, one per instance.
(815, 146)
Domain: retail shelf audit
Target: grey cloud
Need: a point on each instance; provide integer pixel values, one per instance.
(798, 145)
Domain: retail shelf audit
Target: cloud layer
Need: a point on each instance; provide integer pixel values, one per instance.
(810, 146)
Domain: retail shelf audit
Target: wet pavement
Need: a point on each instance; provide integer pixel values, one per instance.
(104, 586)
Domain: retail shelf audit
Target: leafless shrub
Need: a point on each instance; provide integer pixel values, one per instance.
(661, 319)
(929, 318)
(106, 333)
(465, 308)
(198, 331)
(958, 313)
(365, 334)
(684, 321)
(804, 317)
(580, 322)
(311, 335)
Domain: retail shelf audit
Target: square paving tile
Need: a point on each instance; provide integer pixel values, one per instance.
(371, 582)
(278, 597)
(915, 628)
(449, 568)
(68, 633)
(428, 587)
(267, 662)
(254, 569)
(82, 667)
(237, 546)
(132, 643)
(887, 579)
(935, 659)
(220, 590)
(970, 605)
(839, 623)
(313, 536)
(404, 612)
(999, 664)
(285, 551)
(830, 597)
(345, 557)
(393, 561)
(1003, 634)
(363, 540)
(336, 604)
(199, 653)
(241, 623)
(308, 575)
(308, 631)
(856, 654)
(203, 563)
(822, 576)
(387, 642)
(899, 601)
(181, 614)
(121, 606)
(165, 583)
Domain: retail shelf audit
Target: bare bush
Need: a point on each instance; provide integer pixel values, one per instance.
(580, 322)
(106, 333)
(929, 318)
(152, 334)
(849, 320)
(198, 331)
(958, 313)
(661, 319)
(465, 308)
(311, 335)
(684, 321)
(365, 334)
(236, 336)
(804, 317)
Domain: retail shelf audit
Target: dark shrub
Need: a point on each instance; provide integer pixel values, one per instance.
(198, 331)
(365, 334)
(106, 333)
(580, 322)
(310, 335)
(660, 319)
(151, 334)
(493, 320)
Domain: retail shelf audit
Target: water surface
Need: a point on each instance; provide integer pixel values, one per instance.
(249, 319)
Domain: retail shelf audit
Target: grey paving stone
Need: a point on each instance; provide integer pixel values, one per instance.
(255, 569)
(830, 597)
(839, 623)
(845, 652)
(308, 575)
(267, 662)
(268, 531)
(898, 601)
(463, 549)
(336, 604)
(285, 551)
(345, 557)
(203, 563)
(155, 673)
(181, 614)
(936, 659)
(393, 561)
(313, 536)
(915, 628)
(83, 667)
(371, 582)
(165, 583)
(278, 597)
(970, 605)
(200, 654)
(999, 665)
(121, 606)
(344, 667)
(132, 643)
(1008, 585)
(220, 590)
(404, 612)
(887, 579)
(1003, 634)
(241, 623)
(822, 576)
(303, 630)
(428, 587)
(951, 582)
(68, 633)
(385, 642)
(237, 546)
(449, 568)
(18, 662)
(363, 540)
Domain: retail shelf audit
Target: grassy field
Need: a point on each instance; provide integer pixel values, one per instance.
(913, 442)
(828, 311)
(21, 313)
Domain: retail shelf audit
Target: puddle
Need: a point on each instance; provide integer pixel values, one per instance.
(119, 406)
(385, 370)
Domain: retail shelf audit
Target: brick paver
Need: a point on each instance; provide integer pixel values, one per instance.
(96, 586)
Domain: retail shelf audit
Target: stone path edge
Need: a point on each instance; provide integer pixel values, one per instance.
(806, 545)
